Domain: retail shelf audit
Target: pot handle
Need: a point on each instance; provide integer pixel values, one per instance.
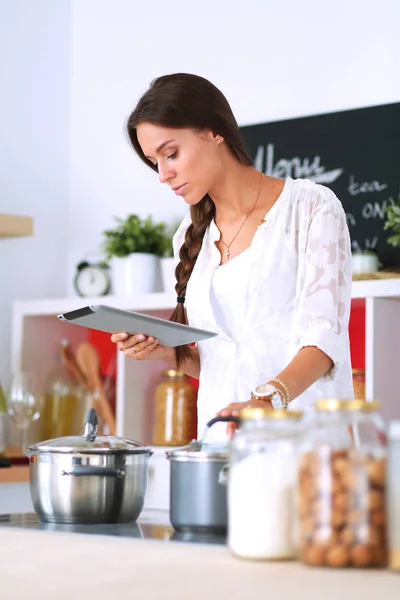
(223, 475)
(223, 420)
(84, 470)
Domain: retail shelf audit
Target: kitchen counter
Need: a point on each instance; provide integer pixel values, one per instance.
(49, 564)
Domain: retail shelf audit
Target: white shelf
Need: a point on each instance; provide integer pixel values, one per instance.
(377, 288)
(36, 332)
(55, 306)
(385, 288)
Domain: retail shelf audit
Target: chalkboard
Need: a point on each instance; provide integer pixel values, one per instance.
(356, 153)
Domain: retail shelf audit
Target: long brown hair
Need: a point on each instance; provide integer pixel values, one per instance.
(188, 101)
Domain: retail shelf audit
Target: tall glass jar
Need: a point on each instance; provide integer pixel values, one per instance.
(63, 407)
(342, 491)
(175, 410)
(262, 485)
(393, 496)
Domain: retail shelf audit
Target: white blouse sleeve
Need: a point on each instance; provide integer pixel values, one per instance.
(325, 297)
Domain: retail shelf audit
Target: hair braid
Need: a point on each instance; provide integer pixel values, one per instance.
(202, 214)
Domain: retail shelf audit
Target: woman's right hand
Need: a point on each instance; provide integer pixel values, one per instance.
(141, 347)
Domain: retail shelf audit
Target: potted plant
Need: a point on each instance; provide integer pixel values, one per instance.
(134, 248)
(393, 222)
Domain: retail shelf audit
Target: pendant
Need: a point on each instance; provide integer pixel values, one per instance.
(227, 254)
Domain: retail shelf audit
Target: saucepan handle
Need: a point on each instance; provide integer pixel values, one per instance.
(229, 419)
(84, 471)
(223, 475)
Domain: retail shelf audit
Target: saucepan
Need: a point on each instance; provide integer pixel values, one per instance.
(88, 478)
(198, 496)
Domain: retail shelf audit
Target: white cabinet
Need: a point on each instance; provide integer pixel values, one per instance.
(36, 332)
(15, 497)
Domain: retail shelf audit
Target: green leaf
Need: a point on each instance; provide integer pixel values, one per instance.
(394, 240)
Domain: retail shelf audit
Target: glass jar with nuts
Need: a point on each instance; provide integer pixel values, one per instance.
(175, 410)
(341, 486)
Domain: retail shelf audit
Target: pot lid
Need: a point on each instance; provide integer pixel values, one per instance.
(198, 450)
(90, 443)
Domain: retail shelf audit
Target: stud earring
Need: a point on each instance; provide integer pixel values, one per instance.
(219, 140)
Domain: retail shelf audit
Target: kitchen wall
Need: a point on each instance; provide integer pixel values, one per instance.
(73, 70)
(272, 60)
(34, 151)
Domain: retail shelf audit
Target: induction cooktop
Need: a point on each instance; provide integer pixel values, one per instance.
(151, 525)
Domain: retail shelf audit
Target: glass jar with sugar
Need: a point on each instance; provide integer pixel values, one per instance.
(262, 485)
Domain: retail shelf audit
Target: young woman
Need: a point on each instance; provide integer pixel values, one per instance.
(264, 262)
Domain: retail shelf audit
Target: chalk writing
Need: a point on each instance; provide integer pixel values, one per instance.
(295, 167)
(366, 187)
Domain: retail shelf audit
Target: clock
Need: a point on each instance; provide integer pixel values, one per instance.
(92, 279)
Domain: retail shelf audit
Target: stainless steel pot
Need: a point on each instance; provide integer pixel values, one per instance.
(88, 479)
(198, 498)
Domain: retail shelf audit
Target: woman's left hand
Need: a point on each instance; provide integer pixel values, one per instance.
(234, 409)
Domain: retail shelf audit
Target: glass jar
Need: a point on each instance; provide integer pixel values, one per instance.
(63, 406)
(393, 496)
(175, 411)
(262, 484)
(359, 383)
(341, 493)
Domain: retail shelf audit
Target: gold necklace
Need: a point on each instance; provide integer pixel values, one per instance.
(227, 246)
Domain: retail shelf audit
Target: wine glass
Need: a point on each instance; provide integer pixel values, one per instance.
(23, 402)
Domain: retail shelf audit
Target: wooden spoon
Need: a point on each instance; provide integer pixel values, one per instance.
(71, 363)
(88, 360)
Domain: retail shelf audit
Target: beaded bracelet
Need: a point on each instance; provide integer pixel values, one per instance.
(285, 394)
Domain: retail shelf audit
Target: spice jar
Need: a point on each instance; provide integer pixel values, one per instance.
(262, 484)
(342, 476)
(175, 411)
(359, 383)
(393, 496)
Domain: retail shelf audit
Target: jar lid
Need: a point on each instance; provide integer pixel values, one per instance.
(173, 373)
(336, 404)
(89, 442)
(252, 413)
(358, 371)
(200, 451)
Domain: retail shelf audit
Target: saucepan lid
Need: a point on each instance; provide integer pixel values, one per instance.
(200, 450)
(89, 442)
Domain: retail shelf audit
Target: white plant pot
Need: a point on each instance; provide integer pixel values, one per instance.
(168, 274)
(138, 273)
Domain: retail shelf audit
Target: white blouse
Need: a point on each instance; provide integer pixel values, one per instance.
(295, 291)
(230, 281)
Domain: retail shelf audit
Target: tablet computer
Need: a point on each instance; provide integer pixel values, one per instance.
(115, 320)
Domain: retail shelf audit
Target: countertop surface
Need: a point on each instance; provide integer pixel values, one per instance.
(49, 564)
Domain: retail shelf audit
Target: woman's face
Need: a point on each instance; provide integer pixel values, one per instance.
(188, 161)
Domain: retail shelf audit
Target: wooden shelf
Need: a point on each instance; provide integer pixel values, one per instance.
(15, 225)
